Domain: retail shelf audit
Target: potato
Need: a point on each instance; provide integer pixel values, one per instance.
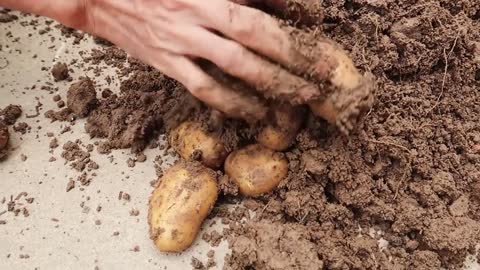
(190, 137)
(256, 169)
(352, 92)
(283, 126)
(178, 206)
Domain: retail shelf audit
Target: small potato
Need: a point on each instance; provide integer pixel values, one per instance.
(353, 92)
(285, 121)
(190, 137)
(179, 205)
(256, 169)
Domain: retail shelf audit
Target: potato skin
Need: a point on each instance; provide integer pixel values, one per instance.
(353, 92)
(189, 137)
(256, 169)
(179, 204)
(284, 124)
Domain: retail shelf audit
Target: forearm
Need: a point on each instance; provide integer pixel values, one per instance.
(69, 12)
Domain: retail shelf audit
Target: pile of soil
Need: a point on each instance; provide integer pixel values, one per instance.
(401, 192)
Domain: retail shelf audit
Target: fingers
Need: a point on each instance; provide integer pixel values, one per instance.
(248, 26)
(125, 31)
(300, 12)
(261, 33)
(271, 80)
(235, 104)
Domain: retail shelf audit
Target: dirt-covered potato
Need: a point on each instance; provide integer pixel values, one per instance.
(178, 206)
(353, 92)
(191, 138)
(284, 123)
(256, 169)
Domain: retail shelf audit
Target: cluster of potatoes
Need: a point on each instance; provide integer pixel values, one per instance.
(187, 191)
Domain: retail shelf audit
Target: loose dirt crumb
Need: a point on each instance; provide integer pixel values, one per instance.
(21, 128)
(134, 212)
(70, 185)
(81, 97)
(60, 72)
(10, 114)
(4, 138)
(197, 264)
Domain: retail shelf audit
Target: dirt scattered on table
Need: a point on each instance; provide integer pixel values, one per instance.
(60, 71)
(10, 114)
(6, 17)
(16, 205)
(82, 97)
(131, 119)
(22, 128)
(4, 139)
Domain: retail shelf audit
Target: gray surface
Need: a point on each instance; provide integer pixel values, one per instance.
(75, 241)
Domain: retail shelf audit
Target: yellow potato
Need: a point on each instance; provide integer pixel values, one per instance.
(256, 169)
(178, 206)
(285, 122)
(353, 92)
(190, 137)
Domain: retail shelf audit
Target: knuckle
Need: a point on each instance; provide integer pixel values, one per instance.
(232, 56)
(199, 86)
(244, 24)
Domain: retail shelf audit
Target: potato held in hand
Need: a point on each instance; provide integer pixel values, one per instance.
(285, 121)
(190, 137)
(353, 91)
(256, 169)
(179, 205)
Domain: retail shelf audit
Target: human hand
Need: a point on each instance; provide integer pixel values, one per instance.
(241, 41)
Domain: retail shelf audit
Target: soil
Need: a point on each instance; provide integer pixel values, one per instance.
(400, 192)
(60, 72)
(4, 137)
(8, 117)
(81, 97)
(10, 114)
(408, 173)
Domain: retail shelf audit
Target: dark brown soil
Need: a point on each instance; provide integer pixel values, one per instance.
(4, 137)
(411, 172)
(10, 114)
(81, 97)
(8, 117)
(146, 102)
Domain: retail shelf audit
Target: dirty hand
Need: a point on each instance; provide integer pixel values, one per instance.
(172, 34)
